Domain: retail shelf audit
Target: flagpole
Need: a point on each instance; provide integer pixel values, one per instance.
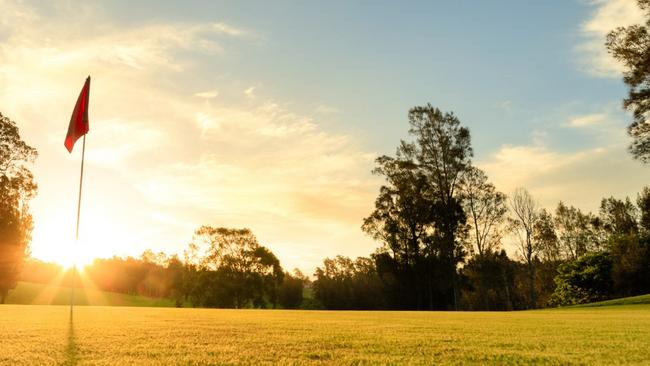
(74, 265)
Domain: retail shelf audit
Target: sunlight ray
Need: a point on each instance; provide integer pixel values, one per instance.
(47, 295)
(93, 294)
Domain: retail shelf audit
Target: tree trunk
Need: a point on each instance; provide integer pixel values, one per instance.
(531, 275)
(482, 293)
(3, 296)
(430, 291)
(507, 289)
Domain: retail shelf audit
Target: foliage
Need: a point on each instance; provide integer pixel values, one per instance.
(489, 282)
(584, 280)
(345, 284)
(418, 214)
(525, 213)
(631, 269)
(229, 268)
(291, 291)
(643, 202)
(578, 233)
(631, 46)
(17, 188)
(486, 210)
(620, 217)
(545, 235)
(136, 276)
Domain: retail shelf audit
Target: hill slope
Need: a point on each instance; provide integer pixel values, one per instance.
(634, 300)
(28, 293)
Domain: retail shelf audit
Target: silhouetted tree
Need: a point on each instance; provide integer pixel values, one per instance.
(545, 236)
(631, 46)
(486, 210)
(291, 290)
(526, 213)
(490, 282)
(643, 202)
(578, 233)
(418, 215)
(631, 264)
(37, 271)
(443, 149)
(231, 269)
(17, 188)
(268, 266)
(619, 217)
(342, 283)
(402, 222)
(177, 287)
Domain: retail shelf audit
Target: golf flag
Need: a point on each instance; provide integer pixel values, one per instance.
(79, 120)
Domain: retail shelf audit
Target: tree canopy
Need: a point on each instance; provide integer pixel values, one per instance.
(631, 46)
(17, 188)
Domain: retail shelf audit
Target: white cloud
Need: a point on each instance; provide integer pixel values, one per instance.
(580, 177)
(326, 110)
(588, 120)
(607, 16)
(250, 92)
(161, 159)
(224, 28)
(115, 140)
(207, 94)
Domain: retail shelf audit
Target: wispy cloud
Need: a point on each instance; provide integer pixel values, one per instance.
(326, 110)
(207, 94)
(606, 16)
(588, 120)
(156, 146)
(581, 175)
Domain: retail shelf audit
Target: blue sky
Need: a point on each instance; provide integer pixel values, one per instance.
(372, 61)
(269, 115)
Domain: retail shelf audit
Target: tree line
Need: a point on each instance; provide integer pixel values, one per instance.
(442, 227)
(225, 268)
(440, 222)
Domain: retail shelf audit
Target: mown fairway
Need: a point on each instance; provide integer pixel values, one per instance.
(33, 335)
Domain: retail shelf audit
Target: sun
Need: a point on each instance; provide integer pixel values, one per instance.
(54, 241)
(67, 254)
(73, 255)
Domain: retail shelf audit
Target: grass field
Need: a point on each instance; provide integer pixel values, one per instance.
(635, 300)
(27, 293)
(606, 335)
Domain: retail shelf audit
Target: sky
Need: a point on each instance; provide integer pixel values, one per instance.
(270, 115)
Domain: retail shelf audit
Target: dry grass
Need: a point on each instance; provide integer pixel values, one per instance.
(33, 335)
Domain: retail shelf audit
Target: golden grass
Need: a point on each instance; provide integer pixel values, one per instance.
(33, 335)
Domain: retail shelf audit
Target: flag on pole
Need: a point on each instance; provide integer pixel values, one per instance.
(78, 127)
(79, 120)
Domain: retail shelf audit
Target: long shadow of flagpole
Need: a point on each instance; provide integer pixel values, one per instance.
(71, 350)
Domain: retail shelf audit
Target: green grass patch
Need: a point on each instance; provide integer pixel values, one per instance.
(27, 293)
(101, 335)
(635, 300)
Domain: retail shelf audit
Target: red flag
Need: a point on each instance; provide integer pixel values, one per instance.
(79, 120)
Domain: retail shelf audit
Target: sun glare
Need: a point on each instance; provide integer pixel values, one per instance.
(53, 241)
(67, 254)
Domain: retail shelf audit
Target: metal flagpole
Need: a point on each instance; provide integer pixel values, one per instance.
(74, 265)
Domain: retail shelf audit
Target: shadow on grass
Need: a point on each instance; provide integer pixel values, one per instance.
(71, 350)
